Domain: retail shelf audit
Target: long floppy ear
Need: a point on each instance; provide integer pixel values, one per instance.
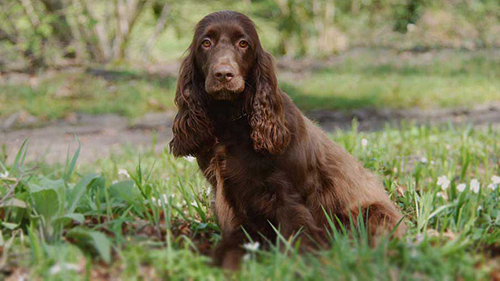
(192, 128)
(269, 128)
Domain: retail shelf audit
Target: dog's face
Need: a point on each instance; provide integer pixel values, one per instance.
(225, 53)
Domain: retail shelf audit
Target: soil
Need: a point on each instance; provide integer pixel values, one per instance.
(103, 135)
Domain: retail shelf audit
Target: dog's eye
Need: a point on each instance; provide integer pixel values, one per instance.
(243, 44)
(206, 43)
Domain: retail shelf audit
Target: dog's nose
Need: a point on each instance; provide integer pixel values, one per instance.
(224, 73)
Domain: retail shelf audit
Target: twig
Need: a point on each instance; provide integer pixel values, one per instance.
(30, 12)
(160, 26)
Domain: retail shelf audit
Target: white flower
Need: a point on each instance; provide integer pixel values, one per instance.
(411, 27)
(252, 247)
(190, 158)
(474, 185)
(123, 172)
(444, 182)
(424, 160)
(165, 198)
(364, 143)
(208, 190)
(64, 266)
(495, 179)
(4, 175)
(461, 187)
(155, 201)
(492, 186)
(480, 208)
(194, 204)
(440, 194)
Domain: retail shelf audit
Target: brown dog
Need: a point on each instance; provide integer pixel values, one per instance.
(268, 164)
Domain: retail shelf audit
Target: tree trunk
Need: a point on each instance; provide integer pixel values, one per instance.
(160, 26)
(60, 26)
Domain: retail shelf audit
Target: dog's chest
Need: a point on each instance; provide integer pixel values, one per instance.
(241, 175)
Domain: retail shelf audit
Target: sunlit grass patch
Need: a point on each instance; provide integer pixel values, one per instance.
(368, 79)
(389, 79)
(119, 92)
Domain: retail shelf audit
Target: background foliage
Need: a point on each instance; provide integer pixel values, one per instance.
(58, 32)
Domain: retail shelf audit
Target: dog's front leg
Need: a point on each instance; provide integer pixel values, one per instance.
(294, 217)
(229, 252)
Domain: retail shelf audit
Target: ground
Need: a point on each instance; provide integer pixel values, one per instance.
(122, 208)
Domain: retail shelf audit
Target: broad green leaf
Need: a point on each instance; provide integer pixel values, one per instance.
(46, 203)
(96, 241)
(76, 193)
(125, 190)
(45, 184)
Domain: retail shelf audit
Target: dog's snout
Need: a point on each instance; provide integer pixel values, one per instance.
(224, 73)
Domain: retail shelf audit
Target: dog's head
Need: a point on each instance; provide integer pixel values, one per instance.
(227, 62)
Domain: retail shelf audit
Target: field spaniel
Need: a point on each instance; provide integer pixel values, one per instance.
(268, 164)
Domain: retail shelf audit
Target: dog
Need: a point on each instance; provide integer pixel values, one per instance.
(270, 167)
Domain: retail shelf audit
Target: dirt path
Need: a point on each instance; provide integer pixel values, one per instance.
(100, 136)
(106, 134)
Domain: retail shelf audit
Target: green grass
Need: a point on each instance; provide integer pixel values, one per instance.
(125, 93)
(79, 222)
(378, 79)
(387, 79)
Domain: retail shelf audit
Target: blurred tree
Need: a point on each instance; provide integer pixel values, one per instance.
(161, 12)
(95, 31)
(52, 32)
(407, 13)
(60, 26)
(306, 27)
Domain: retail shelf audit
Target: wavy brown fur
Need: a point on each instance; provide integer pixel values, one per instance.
(268, 164)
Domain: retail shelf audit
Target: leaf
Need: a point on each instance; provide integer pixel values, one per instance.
(125, 190)
(57, 185)
(64, 220)
(35, 243)
(96, 241)
(21, 155)
(46, 203)
(439, 210)
(70, 166)
(76, 193)
(10, 226)
(14, 202)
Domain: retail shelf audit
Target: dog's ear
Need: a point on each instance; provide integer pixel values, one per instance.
(267, 114)
(192, 128)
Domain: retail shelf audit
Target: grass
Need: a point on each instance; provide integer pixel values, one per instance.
(378, 79)
(388, 79)
(148, 217)
(126, 93)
